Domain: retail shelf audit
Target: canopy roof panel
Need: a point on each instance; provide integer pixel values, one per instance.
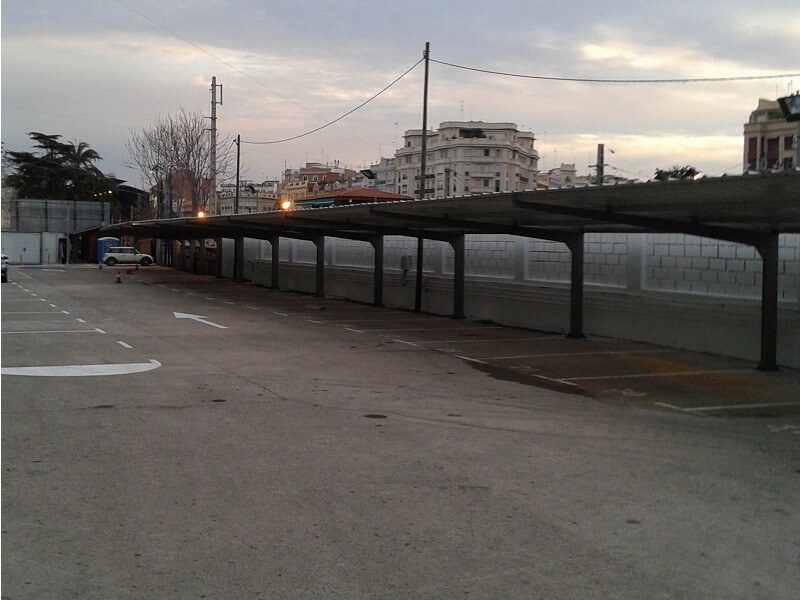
(734, 208)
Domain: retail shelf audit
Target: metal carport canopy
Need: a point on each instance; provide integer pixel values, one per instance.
(750, 209)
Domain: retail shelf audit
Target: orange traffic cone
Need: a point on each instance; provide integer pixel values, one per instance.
(118, 279)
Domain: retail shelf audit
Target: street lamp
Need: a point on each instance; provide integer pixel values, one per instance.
(371, 175)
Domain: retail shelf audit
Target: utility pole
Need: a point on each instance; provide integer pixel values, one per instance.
(214, 141)
(423, 180)
(601, 154)
(424, 162)
(238, 153)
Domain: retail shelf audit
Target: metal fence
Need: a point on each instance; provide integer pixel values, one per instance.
(58, 216)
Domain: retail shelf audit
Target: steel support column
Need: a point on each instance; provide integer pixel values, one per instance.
(420, 263)
(193, 256)
(768, 248)
(319, 291)
(458, 277)
(187, 256)
(275, 243)
(575, 245)
(238, 259)
(218, 265)
(202, 267)
(377, 277)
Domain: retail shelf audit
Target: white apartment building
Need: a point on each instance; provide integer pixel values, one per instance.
(384, 175)
(253, 197)
(768, 139)
(467, 157)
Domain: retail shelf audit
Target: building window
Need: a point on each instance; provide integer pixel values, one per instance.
(485, 183)
(497, 185)
(486, 152)
(787, 142)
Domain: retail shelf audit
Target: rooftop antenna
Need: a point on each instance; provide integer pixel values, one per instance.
(461, 102)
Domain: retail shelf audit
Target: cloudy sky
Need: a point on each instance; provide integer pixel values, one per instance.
(93, 70)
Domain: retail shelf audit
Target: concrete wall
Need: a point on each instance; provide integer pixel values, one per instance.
(62, 216)
(31, 248)
(675, 290)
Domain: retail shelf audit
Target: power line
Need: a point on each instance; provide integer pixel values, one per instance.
(590, 80)
(349, 112)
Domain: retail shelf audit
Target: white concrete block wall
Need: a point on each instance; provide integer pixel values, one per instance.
(304, 252)
(485, 256)
(396, 246)
(351, 253)
(789, 268)
(695, 265)
(643, 262)
(548, 261)
(605, 259)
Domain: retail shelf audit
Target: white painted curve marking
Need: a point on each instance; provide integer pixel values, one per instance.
(82, 370)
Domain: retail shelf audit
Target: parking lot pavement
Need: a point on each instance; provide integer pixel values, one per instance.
(181, 436)
(615, 371)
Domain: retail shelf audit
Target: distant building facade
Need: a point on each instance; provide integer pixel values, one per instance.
(768, 139)
(465, 157)
(315, 178)
(253, 197)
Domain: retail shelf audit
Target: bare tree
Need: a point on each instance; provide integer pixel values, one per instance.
(174, 153)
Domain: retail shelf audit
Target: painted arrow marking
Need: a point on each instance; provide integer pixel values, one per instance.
(198, 318)
(82, 370)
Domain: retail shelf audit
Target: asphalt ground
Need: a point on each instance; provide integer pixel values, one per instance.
(610, 370)
(279, 445)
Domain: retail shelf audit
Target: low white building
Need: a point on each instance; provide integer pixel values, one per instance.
(253, 197)
(465, 157)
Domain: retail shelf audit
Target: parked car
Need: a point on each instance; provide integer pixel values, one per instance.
(5, 267)
(126, 255)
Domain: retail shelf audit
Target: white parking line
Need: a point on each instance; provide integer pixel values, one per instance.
(575, 354)
(98, 330)
(65, 312)
(208, 297)
(34, 295)
(53, 306)
(124, 345)
(51, 331)
(79, 320)
(405, 342)
(475, 360)
(313, 321)
(280, 313)
(354, 330)
(253, 307)
(739, 406)
(639, 375)
(437, 328)
(42, 300)
(550, 337)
